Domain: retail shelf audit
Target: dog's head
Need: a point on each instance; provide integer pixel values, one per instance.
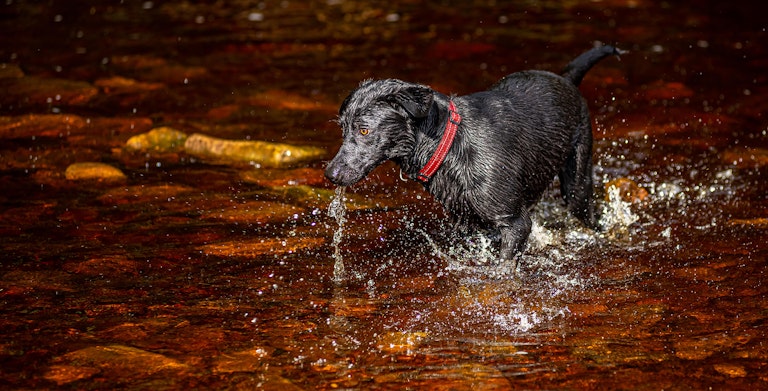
(378, 122)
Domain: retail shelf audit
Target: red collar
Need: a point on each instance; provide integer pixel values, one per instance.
(454, 119)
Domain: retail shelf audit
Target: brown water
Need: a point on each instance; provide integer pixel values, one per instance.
(192, 273)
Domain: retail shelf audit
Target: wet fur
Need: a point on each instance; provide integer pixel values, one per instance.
(512, 141)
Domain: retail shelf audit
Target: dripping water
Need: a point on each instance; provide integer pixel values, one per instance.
(337, 209)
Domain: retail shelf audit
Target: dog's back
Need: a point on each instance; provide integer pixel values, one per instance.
(535, 125)
(526, 126)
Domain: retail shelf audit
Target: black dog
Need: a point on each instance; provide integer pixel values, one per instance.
(487, 157)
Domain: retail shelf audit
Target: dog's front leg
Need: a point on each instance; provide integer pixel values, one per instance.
(514, 230)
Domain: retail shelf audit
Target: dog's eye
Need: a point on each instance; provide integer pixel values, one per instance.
(364, 131)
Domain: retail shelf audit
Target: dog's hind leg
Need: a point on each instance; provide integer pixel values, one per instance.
(576, 180)
(514, 230)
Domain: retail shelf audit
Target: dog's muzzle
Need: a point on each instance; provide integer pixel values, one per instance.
(341, 174)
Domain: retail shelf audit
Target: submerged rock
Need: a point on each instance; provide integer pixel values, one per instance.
(162, 139)
(401, 342)
(759, 222)
(10, 71)
(23, 281)
(123, 85)
(256, 212)
(315, 197)
(451, 376)
(278, 177)
(94, 171)
(705, 346)
(251, 360)
(731, 370)
(269, 379)
(108, 265)
(46, 91)
(746, 157)
(610, 351)
(143, 194)
(118, 360)
(156, 69)
(259, 153)
(286, 100)
(36, 125)
(257, 247)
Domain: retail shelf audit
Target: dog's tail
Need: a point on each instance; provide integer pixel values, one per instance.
(576, 69)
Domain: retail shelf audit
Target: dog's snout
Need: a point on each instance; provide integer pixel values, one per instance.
(332, 173)
(340, 174)
(336, 172)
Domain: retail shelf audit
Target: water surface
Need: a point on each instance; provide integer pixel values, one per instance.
(196, 273)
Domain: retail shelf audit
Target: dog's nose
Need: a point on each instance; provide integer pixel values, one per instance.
(332, 173)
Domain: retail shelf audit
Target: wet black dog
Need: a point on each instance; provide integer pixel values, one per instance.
(487, 157)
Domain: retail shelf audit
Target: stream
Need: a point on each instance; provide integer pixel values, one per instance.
(166, 223)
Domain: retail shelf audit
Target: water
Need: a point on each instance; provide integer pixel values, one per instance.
(336, 210)
(189, 273)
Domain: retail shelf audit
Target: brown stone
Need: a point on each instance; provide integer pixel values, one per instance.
(258, 153)
(150, 68)
(94, 171)
(759, 222)
(64, 374)
(401, 342)
(141, 193)
(608, 351)
(703, 347)
(10, 71)
(286, 100)
(700, 273)
(731, 370)
(316, 197)
(110, 266)
(250, 360)
(746, 157)
(116, 360)
(39, 280)
(278, 177)
(47, 125)
(258, 247)
(269, 380)
(162, 139)
(123, 85)
(257, 212)
(46, 91)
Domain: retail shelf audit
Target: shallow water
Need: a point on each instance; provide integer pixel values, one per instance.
(187, 272)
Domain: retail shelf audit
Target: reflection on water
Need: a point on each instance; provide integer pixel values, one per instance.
(155, 268)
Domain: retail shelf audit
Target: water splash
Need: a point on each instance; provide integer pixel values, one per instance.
(495, 297)
(337, 209)
(617, 213)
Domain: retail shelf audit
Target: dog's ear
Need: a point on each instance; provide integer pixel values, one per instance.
(415, 100)
(344, 104)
